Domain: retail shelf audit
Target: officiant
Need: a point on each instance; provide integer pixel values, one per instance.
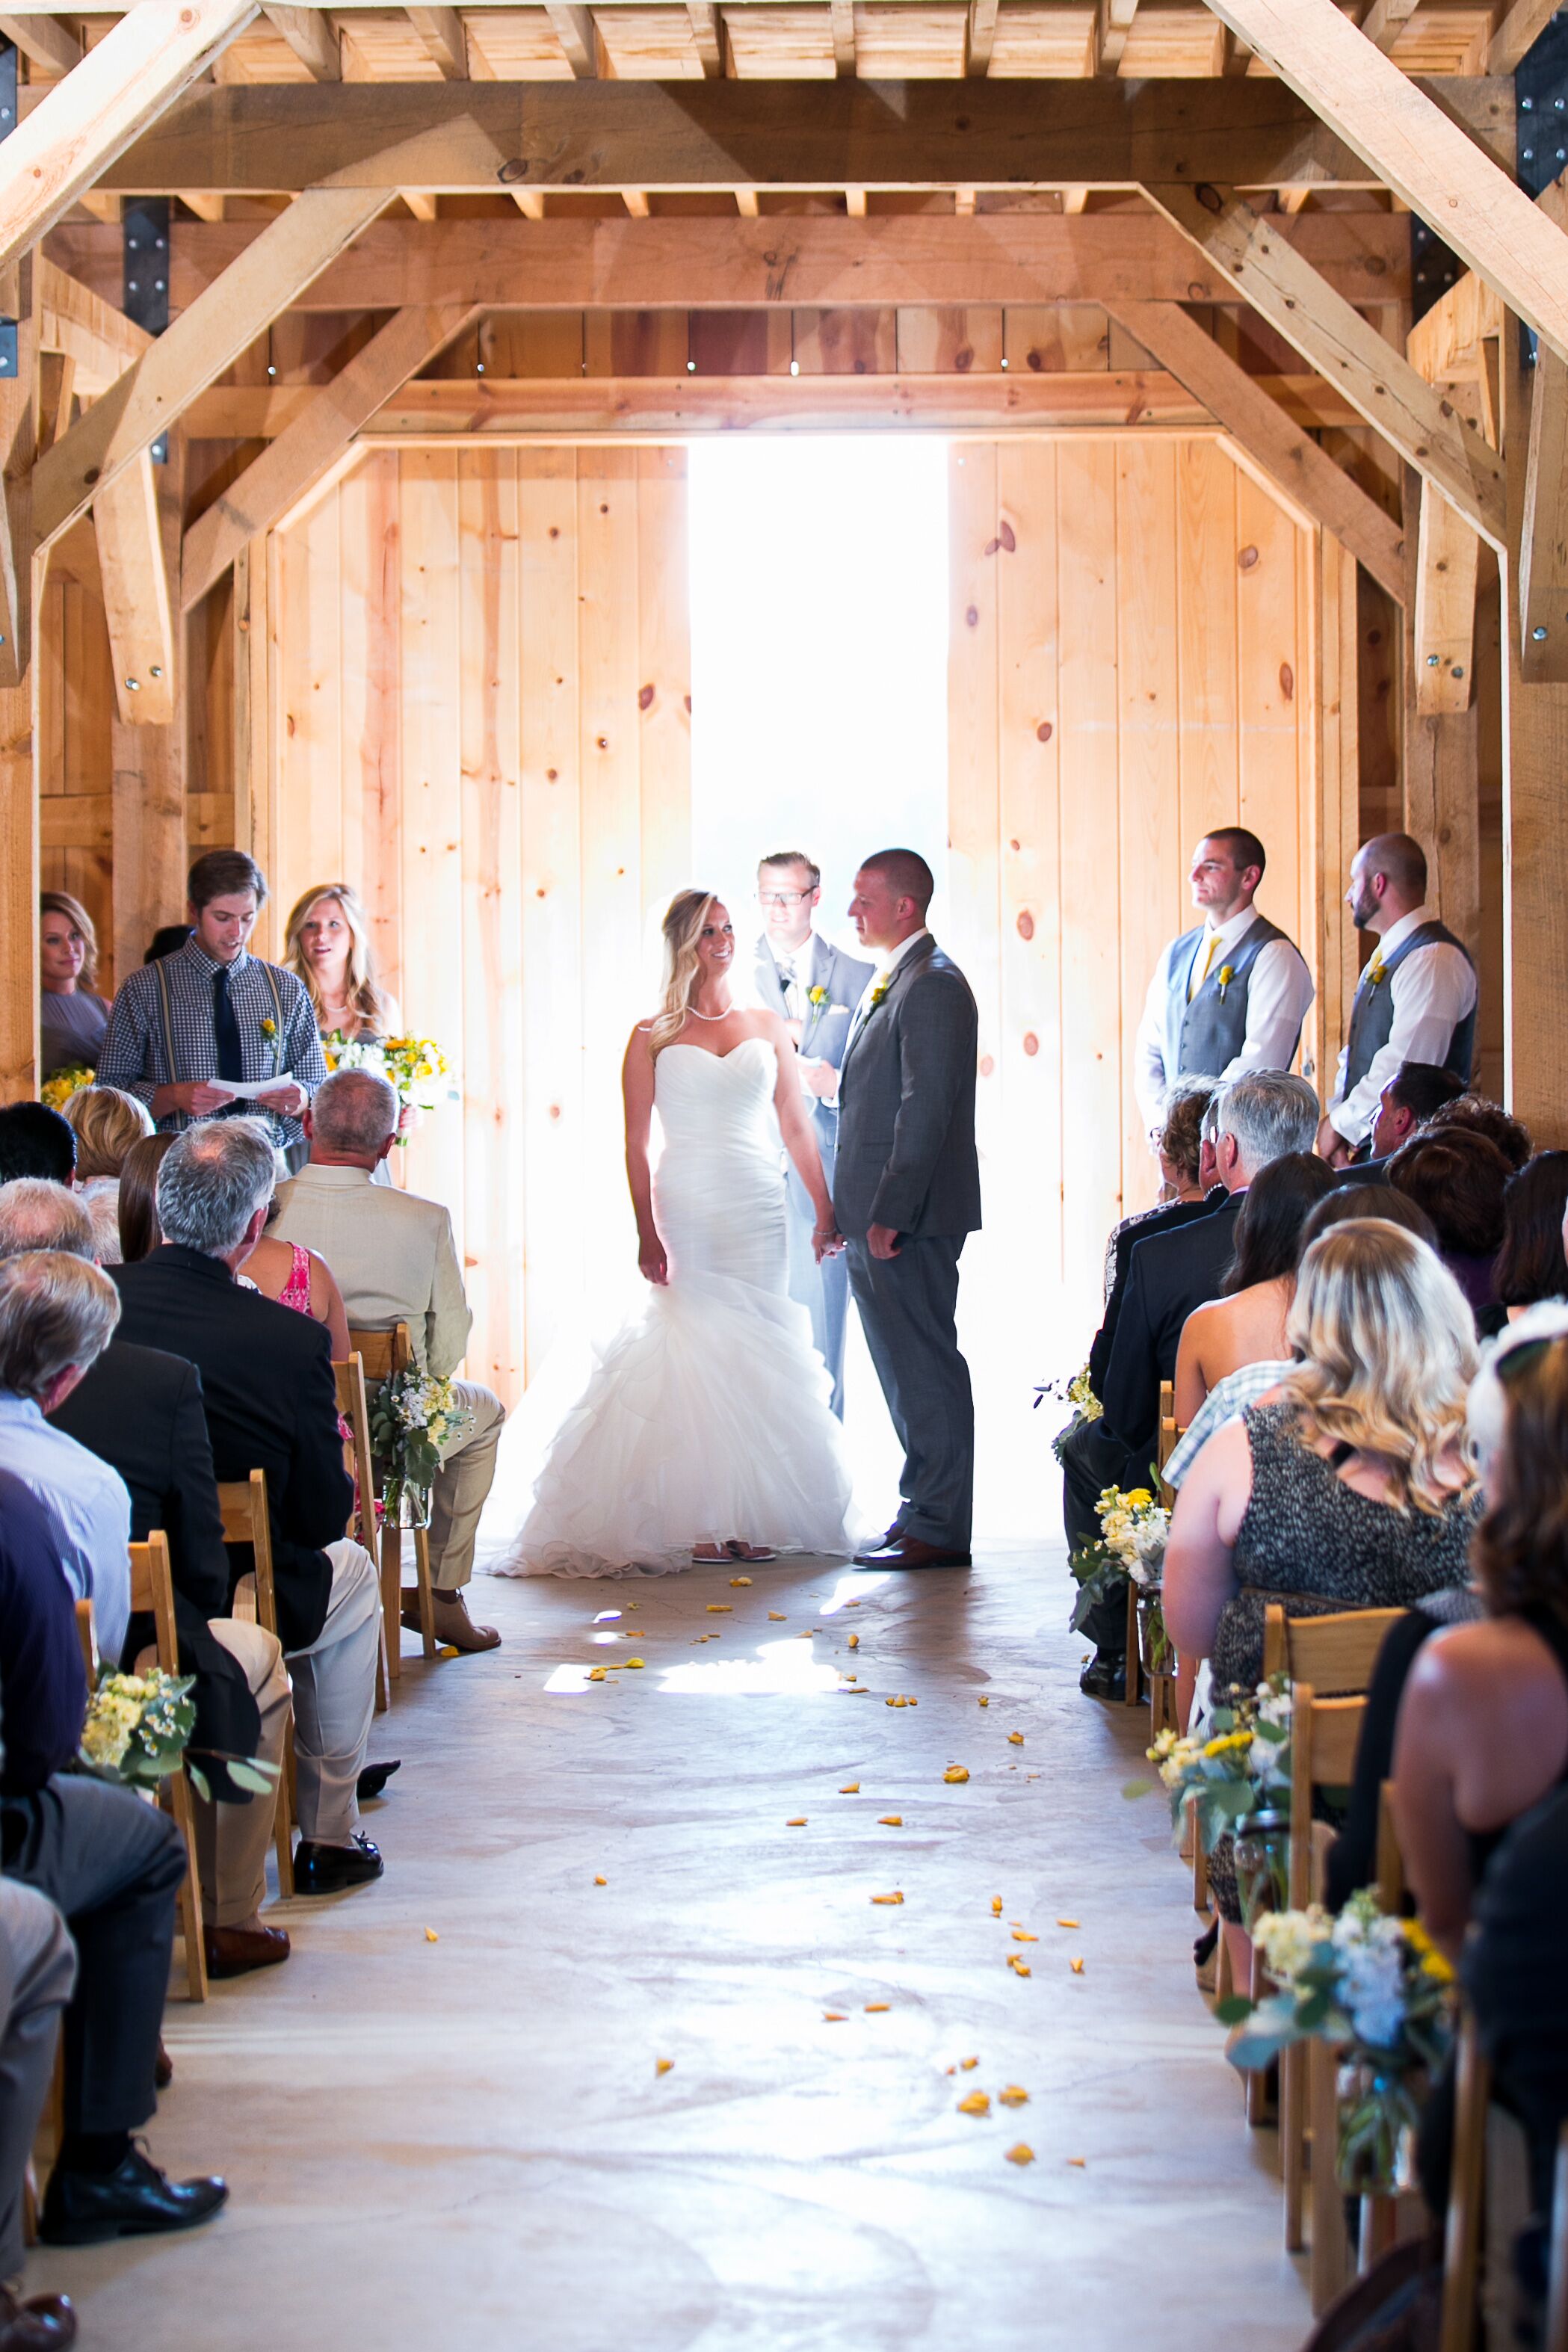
(185, 1033)
(817, 988)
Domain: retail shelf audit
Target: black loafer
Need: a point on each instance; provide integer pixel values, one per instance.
(1105, 1676)
(373, 1779)
(329, 1869)
(137, 2200)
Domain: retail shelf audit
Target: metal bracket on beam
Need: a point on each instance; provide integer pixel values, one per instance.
(146, 224)
(1541, 103)
(1433, 267)
(9, 361)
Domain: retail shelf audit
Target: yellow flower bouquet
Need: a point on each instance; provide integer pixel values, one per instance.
(413, 1068)
(57, 1090)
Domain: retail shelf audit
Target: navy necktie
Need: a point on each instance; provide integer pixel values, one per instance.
(226, 1028)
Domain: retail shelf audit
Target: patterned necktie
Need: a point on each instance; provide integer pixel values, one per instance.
(226, 1028)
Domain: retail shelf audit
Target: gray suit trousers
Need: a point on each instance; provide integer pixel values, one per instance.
(907, 1311)
(37, 1969)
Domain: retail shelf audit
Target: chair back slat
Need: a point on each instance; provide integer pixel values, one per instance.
(355, 1409)
(152, 1595)
(383, 1353)
(1166, 1443)
(1336, 1653)
(243, 1502)
(1324, 1733)
(86, 1634)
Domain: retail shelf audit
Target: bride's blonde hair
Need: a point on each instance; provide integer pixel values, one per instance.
(684, 919)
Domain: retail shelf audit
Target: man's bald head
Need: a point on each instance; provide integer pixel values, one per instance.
(353, 1115)
(1388, 879)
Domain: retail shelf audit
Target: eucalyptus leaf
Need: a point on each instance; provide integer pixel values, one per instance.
(1136, 1788)
(198, 1780)
(260, 1779)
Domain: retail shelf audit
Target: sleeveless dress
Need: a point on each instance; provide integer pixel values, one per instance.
(707, 1416)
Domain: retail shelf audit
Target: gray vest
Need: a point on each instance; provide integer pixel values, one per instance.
(1205, 1036)
(1372, 1014)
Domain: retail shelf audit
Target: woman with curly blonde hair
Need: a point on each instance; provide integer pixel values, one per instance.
(106, 1123)
(705, 1432)
(326, 944)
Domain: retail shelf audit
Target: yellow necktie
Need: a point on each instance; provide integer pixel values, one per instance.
(1200, 971)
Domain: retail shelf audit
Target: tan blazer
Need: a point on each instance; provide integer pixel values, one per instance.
(393, 1254)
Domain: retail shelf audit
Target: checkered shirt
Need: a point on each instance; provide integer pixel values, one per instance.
(135, 1053)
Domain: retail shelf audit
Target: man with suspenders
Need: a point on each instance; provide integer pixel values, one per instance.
(182, 1027)
(1415, 1001)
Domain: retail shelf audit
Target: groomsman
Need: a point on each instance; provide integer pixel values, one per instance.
(1231, 994)
(817, 988)
(1415, 1001)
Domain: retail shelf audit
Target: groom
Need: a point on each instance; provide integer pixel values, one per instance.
(906, 1193)
(817, 988)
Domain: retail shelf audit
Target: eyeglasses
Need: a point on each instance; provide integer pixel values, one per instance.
(781, 898)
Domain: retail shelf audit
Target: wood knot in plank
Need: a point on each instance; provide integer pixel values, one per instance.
(986, 1065)
(1043, 732)
(1031, 1043)
(645, 698)
(1247, 559)
(1287, 681)
(1026, 924)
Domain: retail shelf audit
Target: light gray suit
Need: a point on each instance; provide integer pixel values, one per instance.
(823, 1290)
(907, 1158)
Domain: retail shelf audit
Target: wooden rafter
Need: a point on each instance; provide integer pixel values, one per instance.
(316, 438)
(46, 40)
(1446, 566)
(100, 341)
(573, 28)
(443, 34)
(242, 138)
(795, 260)
(1331, 334)
(204, 341)
(136, 594)
(311, 35)
(1519, 30)
(19, 431)
(1289, 457)
(1543, 537)
(706, 36)
(842, 17)
(84, 122)
(1476, 207)
(981, 34)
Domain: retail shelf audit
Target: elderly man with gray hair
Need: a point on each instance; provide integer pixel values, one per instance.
(396, 1262)
(270, 1404)
(57, 1314)
(1254, 1119)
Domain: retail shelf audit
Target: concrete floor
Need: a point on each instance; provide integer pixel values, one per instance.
(465, 2143)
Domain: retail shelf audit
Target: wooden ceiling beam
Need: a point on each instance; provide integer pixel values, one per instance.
(1448, 566)
(18, 445)
(48, 41)
(1414, 148)
(311, 35)
(777, 261)
(1543, 537)
(1286, 453)
(442, 32)
(478, 137)
(84, 122)
(100, 339)
(706, 36)
(981, 36)
(201, 343)
(1521, 28)
(1269, 271)
(573, 28)
(315, 440)
(135, 578)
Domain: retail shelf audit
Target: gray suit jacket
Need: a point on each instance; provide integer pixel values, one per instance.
(826, 1027)
(906, 1107)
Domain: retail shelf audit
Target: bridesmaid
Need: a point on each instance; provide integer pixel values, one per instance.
(71, 1019)
(326, 944)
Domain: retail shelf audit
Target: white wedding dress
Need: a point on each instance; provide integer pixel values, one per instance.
(706, 1417)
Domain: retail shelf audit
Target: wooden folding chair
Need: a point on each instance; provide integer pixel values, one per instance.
(383, 1353)
(1161, 1687)
(243, 1502)
(353, 1407)
(1324, 1733)
(86, 1634)
(152, 1595)
(1467, 2177)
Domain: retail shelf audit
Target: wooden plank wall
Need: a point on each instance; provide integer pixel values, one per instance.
(479, 704)
(76, 721)
(1135, 657)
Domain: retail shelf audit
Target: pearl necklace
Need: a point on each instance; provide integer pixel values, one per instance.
(699, 1015)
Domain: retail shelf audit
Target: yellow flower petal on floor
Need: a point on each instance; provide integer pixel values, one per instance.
(985, 1702)
(721, 1608)
(634, 1662)
(878, 2008)
(978, 2103)
(1022, 1935)
(854, 1641)
(996, 1906)
(431, 1936)
(1078, 2160)
(596, 1674)
(1067, 1922)
(891, 1820)
(1022, 2154)
(968, 2064)
(956, 1772)
(834, 2017)
(736, 1582)
(451, 1650)
(1012, 2096)
(1077, 1967)
(798, 1822)
(600, 1882)
(662, 2065)
(850, 1788)
(886, 1898)
(1015, 1739)
(775, 1617)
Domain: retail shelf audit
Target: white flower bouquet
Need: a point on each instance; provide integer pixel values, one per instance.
(415, 1068)
(137, 1725)
(1241, 1767)
(1079, 1394)
(1133, 1532)
(413, 1418)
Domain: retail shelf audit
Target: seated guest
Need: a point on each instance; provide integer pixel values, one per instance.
(1256, 1118)
(395, 1262)
(37, 1969)
(35, 1141)
(1460, 1178)
(295, 1276)
(1252, 1381)
(1348, 1487)
(106, 1123)
(137, 1204)
(1488, 1118)
(56, 1317)
(270, 1404)
(1188, 1188)
(1483, 1729)
(140, 1412)
(1533, 1262)
(1247, 1323)
(110, 1864)
(71, 1019)
(1416, 1093)
(1512, 1972)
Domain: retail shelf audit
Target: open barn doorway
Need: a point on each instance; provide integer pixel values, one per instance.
(819, 590)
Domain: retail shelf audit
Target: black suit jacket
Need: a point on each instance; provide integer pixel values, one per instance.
(1124, 1241)
(270, 1404)
(140, 1412)
(1172, 1273)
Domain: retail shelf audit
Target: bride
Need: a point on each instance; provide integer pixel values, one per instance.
(704, 1432)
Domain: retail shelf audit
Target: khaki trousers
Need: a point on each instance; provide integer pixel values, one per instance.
(462, 1483)
(232, 1840)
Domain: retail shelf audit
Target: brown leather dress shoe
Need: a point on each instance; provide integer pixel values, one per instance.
(40, 2323)
(910, 1551)
(235, 1951)
(455, 1629)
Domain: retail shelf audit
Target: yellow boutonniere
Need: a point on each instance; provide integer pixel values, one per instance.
(1226, 974)
(879, 992)
(1374, 972)
(269, 1031)
(269, 1028)
(816, 996)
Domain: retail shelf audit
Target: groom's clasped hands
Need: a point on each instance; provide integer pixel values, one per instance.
(827, 1241)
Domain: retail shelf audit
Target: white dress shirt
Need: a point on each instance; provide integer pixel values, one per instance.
(1279, 995)
(886, 965)
(1434, 990)
(91, 1504)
